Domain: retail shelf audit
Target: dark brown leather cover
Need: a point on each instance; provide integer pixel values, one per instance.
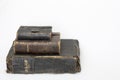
(38, 46)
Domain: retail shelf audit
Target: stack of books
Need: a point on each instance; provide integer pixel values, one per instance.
(37, 49)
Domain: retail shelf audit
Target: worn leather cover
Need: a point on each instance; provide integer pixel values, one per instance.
(34, 33)
(38, 46)
(66, 62)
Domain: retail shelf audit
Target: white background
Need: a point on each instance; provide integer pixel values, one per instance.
(95, 23)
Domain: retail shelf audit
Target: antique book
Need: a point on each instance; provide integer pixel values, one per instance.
(34, 33)
(68, 61)
(38, 46)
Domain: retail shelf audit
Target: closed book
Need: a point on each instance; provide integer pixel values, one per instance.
(66, 62)
(42, 47)
(34, 33)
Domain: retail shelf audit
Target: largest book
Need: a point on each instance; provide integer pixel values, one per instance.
(66, 62)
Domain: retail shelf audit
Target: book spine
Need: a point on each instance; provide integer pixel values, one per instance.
(36, 47)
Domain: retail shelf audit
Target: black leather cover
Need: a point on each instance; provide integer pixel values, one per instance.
(34, 33)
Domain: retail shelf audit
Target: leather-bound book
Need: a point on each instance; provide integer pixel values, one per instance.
(42, 47)
(34, 33)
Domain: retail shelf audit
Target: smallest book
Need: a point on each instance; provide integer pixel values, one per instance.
(34, 33)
